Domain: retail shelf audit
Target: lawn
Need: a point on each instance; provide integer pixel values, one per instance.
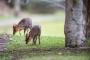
(47, 42)
(5, 17)
(44, 55)
(56, 57)
(51, 47)
(52, 39)
(52, 36)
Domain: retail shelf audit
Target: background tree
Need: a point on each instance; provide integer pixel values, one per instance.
(17, 7)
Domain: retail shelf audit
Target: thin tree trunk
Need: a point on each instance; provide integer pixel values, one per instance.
(75, 30)
(17, 7)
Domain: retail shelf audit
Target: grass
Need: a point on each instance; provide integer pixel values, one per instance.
(5, 17)
(52, 37)
(56, 57)
(54, 28)
(43, 55)
(49, 28)
(47, 42)
(4, 56)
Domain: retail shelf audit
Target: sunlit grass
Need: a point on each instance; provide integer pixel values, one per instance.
(6, 17)
(54, 55)
(55, 28)
(47, 42)
(48, 28)
(52, 36)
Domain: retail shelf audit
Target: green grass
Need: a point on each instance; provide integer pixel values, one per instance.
(47, 42)
(24, 55)
(56, 57)
(49, 28)
(55, 28)
(5, 17)
(4, 56)
(52, 37)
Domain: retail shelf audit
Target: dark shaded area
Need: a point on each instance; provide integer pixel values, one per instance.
(88, 19)
(16, 54)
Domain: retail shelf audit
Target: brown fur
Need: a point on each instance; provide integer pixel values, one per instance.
(34, 34)
(24, 24)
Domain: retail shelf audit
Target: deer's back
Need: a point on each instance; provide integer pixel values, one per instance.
(25, 22)
(36, 30)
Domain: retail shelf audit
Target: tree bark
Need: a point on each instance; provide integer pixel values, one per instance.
(17, 7)
(88, 20)
(75, 24)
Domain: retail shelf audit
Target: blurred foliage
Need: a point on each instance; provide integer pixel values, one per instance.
(37, 6)
(42, 7)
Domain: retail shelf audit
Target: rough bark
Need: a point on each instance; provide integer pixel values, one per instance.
(88, 20)
(75, 30)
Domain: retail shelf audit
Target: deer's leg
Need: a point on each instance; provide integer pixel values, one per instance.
(39, 39)
(27, 39)
(14, 32)
(34, 40)
(24, 30)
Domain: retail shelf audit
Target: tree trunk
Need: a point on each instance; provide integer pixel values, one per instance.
(88, 21)
(17, 7)
(75, 24)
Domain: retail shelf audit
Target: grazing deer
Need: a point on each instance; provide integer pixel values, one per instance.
(24, 24)
(34, 34)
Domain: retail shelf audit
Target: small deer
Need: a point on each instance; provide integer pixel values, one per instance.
(24, 24)
(34, 34)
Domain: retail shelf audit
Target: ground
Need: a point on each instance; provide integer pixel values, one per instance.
(48, 54)
(52, 45)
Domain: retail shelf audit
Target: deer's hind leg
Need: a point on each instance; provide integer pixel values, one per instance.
(27, 38)
(25, 30)
(34, 40)
(39, 38)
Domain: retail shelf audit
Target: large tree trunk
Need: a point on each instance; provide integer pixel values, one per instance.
(75, 29)
(88, 21)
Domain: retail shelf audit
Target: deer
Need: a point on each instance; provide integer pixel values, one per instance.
(34, 34)
(24, 24)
